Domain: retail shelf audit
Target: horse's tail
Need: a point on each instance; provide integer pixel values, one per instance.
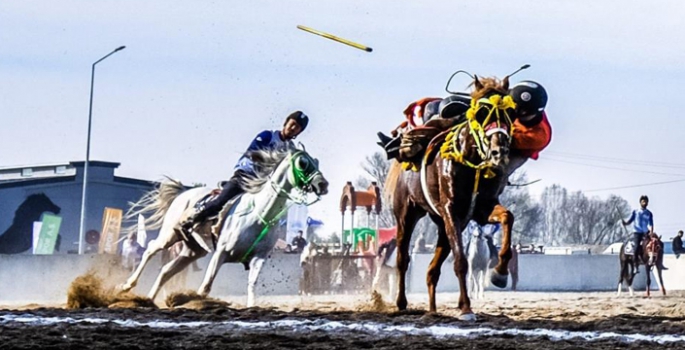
(391, 181)
(156, 202)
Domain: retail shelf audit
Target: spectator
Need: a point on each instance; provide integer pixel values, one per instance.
(678, 244)
(299, 242)
(130, 252)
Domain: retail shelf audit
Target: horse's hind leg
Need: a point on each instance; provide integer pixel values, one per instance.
(406, 221)
(178, 264)
(255, 267)
(660, 281)
(163, 241)
(442, 251)
(622, 276)
(506, 219)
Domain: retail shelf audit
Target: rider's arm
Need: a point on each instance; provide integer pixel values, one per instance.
(261, 141)
(650, 224)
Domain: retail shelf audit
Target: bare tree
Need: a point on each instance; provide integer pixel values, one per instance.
(376, 167)
(527, 213)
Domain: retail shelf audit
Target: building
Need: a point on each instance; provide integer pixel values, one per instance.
(26, 192)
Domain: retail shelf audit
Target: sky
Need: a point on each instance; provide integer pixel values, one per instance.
(199, 79)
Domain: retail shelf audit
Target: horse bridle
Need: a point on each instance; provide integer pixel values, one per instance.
(302, 180)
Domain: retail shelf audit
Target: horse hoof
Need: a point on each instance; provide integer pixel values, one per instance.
(470, 317)
(499, 281)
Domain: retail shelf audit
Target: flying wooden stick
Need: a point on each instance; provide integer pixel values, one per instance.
(333, 37)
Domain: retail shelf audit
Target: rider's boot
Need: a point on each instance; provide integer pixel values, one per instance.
(390, 144)
(188, 225)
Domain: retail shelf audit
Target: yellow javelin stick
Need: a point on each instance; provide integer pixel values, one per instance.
(333, 37)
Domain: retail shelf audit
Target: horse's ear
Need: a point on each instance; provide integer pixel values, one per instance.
(477, 83)
(505, 83)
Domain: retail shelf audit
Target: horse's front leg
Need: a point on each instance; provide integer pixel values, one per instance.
(213, 269)
(506, 219)
(405, 227)
(255, 267)
(461, 265)
(648, 272)
(442, 251)
(660, 281)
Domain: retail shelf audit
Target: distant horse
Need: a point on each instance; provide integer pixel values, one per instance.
(479, 259)
(386, 264)
(652, 254)
(245, 235)
(18, 238)
(461, 183)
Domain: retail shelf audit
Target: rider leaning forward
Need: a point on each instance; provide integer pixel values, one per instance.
(294, 124)
(531, 129)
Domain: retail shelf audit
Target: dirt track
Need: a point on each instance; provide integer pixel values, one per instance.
(594, 312)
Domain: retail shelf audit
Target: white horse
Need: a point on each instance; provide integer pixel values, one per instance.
(478, 257)
(285, 177)
(386, 263)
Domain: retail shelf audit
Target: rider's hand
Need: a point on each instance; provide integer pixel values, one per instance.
(624, 223)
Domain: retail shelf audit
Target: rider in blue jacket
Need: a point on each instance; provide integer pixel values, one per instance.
(294, 124)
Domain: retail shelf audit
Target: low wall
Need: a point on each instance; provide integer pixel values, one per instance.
(538, 272)
(46, 279)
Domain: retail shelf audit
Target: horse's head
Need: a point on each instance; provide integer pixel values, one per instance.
(38, 204)
(305, 173)
(486, 137)
(653, 249)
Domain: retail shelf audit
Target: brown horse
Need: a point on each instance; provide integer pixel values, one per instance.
(652, 255)
(455, 189)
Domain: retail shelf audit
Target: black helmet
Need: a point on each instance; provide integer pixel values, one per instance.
(529, 96)
(299, 117)
(452, 106)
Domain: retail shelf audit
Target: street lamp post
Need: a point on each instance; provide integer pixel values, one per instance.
(85, 165)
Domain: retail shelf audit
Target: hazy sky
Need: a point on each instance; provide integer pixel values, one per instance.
(199, 79)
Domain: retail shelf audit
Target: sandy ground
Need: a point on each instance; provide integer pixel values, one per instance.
(596, 312)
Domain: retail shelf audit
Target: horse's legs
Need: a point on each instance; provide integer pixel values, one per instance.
(506, 219)
(472, 282)
(212, 270)
(178, 264)
(442, 251)
(622, 276)
(406, 221)
(163, 241)
(659, 280)
(461, 265)
(648, 272)
(255, 267)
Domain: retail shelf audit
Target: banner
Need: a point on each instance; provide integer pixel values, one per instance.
(49, 229)
(111, 228)
(297, 221)
(36, 233)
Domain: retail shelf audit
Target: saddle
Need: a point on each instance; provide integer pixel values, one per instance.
(416, 142)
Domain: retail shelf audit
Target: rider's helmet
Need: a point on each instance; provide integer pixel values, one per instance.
(299, 117)
(530, 98)
(452, 106)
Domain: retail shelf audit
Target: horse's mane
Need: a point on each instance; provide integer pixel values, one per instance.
(490, 86)
(265, 162)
